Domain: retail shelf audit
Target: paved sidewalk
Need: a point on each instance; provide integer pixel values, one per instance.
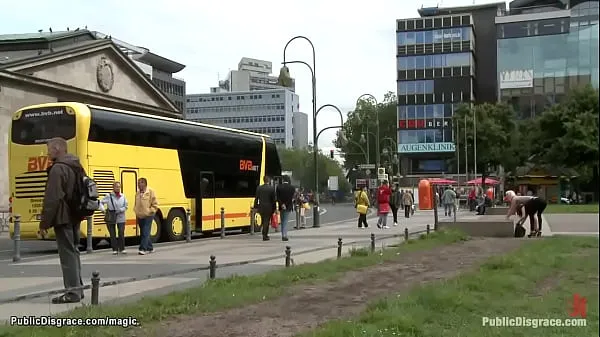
(181, 256)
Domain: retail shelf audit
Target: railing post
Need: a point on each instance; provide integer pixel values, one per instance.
(188, 227)
(222, 222)
(372, 242)
(288, 256)
(212, 271)
(17, 239)
(428, 228)
(339, 248)
(405, 234)
(454, 206)
(89, 238)
(298, 217)
(95, 287)
(435, 213)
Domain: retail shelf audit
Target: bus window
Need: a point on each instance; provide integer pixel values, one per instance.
(37, 126)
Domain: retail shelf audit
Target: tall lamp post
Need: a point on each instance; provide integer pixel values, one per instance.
(284, 80)
(342, 138)
(377, 154)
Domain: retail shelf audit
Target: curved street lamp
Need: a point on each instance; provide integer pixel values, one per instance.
(377, 154)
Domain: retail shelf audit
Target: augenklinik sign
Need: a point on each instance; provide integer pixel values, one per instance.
(426, 147)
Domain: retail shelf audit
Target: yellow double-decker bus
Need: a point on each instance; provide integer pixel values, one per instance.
(189, 165)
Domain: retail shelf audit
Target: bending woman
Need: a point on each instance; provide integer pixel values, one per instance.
(533, 206)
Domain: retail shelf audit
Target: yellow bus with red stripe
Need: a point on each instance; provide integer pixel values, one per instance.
(189, 165)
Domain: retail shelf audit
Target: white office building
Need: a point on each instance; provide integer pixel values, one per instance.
(252, 74)
(274, 112)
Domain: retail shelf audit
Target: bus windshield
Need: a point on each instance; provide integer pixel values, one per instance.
(38, 125)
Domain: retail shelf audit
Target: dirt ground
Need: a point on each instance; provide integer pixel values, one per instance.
(309, 306)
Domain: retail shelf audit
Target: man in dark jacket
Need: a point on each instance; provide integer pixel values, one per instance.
(395, 202)
(285, 198)
(60, 189)
(264, 204)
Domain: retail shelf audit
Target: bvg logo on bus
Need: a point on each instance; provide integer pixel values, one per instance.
(247, 165)
(40, 163)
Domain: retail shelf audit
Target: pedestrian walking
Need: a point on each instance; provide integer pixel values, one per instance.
(146, 206)
(383, 204)
(285, 199)
(302, 205)
(60, 212)
(115, 204)
(407, 200)
(265, 204)
(395, 203)
(362, 207)
(449, 201)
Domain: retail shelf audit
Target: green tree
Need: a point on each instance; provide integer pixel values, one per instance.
(566, 135)
(497, 137)
(301, 163)
(362, 121)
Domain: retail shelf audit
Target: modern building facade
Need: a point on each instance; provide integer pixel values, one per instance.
(252, 74)
(158, 68)
(444, 58)
(273, 112)
(545, 48)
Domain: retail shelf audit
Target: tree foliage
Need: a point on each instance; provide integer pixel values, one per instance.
(566, 135)
(301, 163)
(494, 130)
(363, 121)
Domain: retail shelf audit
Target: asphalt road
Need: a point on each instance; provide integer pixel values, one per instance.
(30, 249)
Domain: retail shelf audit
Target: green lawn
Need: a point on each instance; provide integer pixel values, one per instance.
(217, 294)
(563, 208)
(538, 281)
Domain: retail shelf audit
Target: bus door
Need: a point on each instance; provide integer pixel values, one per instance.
(129, 177)
(205, 203)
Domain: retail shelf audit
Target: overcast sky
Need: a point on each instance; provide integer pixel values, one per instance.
(354, 40)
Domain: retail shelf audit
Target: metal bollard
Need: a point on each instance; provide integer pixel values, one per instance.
(17, 239)
(339, 251)
(298, 217)
(405, 234)
(372, 242)
(454, 213)
(89, 238)
(428, 228)
(288, 256)
(222, 222)
(188, 227)
(212, 271)
(252, 221)
(95, 287)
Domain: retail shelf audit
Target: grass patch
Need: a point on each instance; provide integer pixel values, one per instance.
(569, 209)
(505, 286)
(220, 294)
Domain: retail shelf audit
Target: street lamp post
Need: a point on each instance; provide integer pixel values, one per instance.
(316, 140)
(285, 73)
(377, 154)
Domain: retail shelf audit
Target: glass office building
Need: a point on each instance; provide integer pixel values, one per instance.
(543, 52)
(435, 65)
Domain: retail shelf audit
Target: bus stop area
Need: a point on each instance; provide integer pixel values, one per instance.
(23, 285)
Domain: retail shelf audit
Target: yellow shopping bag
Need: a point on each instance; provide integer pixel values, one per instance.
(306, 206)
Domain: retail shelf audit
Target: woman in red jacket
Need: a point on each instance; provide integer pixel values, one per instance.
(383, 204)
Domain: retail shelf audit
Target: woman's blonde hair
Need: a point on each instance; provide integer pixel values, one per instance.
(509, 195)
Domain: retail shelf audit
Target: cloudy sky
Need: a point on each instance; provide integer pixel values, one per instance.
(354, 40)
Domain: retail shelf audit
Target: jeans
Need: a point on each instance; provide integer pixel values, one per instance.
(145, 225)
(117, 244)
(285, 215)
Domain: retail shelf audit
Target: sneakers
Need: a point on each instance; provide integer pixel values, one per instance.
(141, 252)
(395, 224)
(124, 251)
(115, 252)
(386, 227)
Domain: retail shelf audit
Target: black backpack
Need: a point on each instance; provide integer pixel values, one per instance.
(519, 231)
(85, 199)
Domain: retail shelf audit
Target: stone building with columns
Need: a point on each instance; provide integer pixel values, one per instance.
(70, 66)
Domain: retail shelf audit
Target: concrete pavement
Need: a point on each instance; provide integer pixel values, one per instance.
(36, 249)
(571, 224)
(42, 274)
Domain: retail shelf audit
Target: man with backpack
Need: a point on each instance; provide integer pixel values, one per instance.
(68, 199)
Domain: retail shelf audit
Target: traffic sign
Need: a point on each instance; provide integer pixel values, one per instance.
(366, 166)
(367, 171)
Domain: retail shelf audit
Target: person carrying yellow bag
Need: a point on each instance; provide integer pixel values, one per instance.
(362, 206)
